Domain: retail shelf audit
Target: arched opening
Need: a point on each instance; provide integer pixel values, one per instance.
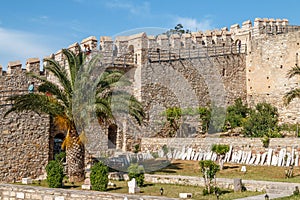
(58, 140)
(112, 136)
(238, 44)
(131, 49)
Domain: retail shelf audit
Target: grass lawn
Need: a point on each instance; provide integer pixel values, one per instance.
(265, 173)
(171, 190)
(151, 189)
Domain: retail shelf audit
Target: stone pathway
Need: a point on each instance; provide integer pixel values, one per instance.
(273, 189)
(262, 197)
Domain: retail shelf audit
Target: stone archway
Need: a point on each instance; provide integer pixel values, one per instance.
(112, 136)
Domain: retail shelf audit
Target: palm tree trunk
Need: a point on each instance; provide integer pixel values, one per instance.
(75, 158)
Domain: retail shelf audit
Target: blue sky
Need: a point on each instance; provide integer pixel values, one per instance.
(37, 28)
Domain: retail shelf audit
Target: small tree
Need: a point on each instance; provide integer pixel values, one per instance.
(173, 114)
(208, 169)
(236, 113)
(137, 171)
(220, 150)
(99, 177)
(55, 174)
(261, 121)
(204, 114)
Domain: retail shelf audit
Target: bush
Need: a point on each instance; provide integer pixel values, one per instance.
(55, 174)
(205, 115)
(208, 169)
(261, 121)
(137, 171)
(236, 113)
(99, 177)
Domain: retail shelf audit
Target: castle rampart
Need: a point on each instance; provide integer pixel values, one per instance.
(167, 70)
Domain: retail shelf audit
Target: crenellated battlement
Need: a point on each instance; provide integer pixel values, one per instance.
(141, 41)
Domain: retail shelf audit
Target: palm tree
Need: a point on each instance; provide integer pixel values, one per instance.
(294, 93)
(56, 99)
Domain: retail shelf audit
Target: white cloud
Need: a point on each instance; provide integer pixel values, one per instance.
(194, 25)
(19, 45)
(136, 9)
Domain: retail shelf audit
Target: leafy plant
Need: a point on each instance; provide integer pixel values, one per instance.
(55, 174)
(205, 115)
(261, 120)
(173, 114)
(236, 113)
(136, 148)
(220, 150)
(209, 169)
(137, 171)
(99, 177)
(165, 149)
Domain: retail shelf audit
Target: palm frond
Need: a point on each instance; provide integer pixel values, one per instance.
(293, 72)
(110, 79)
(54, 90)
(60, 74)
(38, 103)
(289, 96)
(71, 57)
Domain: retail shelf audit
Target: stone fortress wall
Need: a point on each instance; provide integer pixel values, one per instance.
(24, 137)
(204, 62)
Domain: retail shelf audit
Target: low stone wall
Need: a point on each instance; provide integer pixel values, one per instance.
(155, 144)
(17, 192)
(251, 185)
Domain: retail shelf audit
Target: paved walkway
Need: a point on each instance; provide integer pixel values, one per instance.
(262, 197)
(273, 189)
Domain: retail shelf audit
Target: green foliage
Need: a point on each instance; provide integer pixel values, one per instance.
(55, 174)
(208, 169)
(154, 154)
(213, 190)
(61, 157)
(136, 148)
(220, 149)
(261, 120)
(205, 115)
(165, 149)
(137, 171)
(99, 177)
(290, 128)
(178, 29)
(236, 113)
(173, 114)
(266, 141)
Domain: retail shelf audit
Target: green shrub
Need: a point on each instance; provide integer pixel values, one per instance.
(55, 174)
(173, 115)
(99, 177)
(165, 149)
(261, 120)
(236, 113)
(208, 169)
(61, 157)
(205, 115)
(137, 171)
